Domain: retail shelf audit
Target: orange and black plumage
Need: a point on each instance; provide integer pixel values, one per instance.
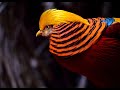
(89, 47)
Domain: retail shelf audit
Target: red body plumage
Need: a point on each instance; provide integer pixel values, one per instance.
(89, 47)
(101, 62)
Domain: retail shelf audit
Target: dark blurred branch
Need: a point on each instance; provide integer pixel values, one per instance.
(40, 49)
(106, 10)
(10, 32)
(2, 6)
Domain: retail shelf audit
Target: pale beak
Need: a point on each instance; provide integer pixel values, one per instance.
(38, 33)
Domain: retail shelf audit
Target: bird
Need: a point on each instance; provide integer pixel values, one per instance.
(85, 46)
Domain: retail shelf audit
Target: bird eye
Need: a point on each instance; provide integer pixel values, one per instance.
(47, 26)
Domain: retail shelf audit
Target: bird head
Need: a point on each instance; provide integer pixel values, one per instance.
(52, 17)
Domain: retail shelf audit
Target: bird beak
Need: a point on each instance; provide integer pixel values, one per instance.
(38, 33)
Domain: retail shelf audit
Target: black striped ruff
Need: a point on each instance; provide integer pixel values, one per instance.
(75, 37)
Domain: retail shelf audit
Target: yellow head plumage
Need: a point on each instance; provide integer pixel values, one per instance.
(55, 17)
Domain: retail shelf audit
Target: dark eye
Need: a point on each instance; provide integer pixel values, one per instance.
(47, 26)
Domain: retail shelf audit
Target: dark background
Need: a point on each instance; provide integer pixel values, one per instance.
(25, 61)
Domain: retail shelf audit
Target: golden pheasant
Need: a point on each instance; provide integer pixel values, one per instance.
(89, 47)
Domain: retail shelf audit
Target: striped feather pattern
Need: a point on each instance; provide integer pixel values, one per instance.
(75, 37)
